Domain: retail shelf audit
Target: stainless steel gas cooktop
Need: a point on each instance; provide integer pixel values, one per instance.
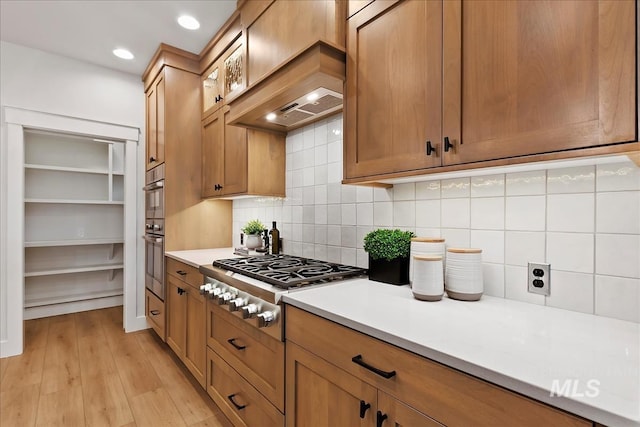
(286, 271)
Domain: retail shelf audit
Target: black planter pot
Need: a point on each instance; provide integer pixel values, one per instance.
(395, 272)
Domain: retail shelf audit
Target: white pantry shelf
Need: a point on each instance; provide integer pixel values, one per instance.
(98, 171)
(75, 202)
(77, 242)
(69, 270)
(40, 302)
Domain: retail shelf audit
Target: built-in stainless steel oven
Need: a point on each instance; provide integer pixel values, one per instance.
(154, 231)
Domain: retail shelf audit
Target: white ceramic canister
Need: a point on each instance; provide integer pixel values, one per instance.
(426, 246)
(463, 275)
(428, 280)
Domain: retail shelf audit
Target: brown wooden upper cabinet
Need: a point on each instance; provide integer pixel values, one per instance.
(155, 122)
(432, 85)
(237, 161)
(224, 78)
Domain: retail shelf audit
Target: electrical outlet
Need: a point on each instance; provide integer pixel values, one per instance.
(539, 281)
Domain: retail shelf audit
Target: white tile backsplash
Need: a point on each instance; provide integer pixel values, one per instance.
(525, 213)
(570, 251)
(455, 213)
(487, 213)
(571, 291)
(571, 180)
(617, 297)
(583, 220)
(571, 212)
(618, 212)
(618, 255)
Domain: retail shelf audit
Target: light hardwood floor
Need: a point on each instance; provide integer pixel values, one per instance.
(81, 369)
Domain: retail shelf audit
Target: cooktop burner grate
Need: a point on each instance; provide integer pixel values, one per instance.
(286, 271)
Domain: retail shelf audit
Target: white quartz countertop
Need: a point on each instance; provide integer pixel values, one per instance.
(588, 365)
(198, 257)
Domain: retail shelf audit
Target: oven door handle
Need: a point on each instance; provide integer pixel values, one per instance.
(154, 185)
(152, 239)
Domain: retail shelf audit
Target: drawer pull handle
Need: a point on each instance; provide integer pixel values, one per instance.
(380, 417)
(181, 272)
(232, 341)
(363, 408)
(238, 407)
(154, 312)
(385, 374)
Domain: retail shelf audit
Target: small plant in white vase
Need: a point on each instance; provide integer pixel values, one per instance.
(253, 230)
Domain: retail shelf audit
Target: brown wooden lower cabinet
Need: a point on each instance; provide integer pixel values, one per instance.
(325, 386)
(186, 319)
(238, 399)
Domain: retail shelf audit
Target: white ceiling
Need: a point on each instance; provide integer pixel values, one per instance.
(89, 30)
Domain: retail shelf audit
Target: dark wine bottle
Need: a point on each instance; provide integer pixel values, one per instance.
(275, 239)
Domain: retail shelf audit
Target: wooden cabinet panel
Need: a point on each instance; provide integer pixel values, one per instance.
(155, 122)
(212, 154)
(186, 317)
(155, 313)
(287, 27)
(519, 81)
(536, 77)
(195, 353)
(256, 356)
(429, 387)
(239, 401)
(184, 272)
(235, 158)
(224, 79)
(319, 394)
(394, 78)
(237, 161)
(176, 315)
(401, 415)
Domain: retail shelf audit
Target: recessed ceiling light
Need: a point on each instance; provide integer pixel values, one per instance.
(123, 53)
(188, 22)
(312, 96)
(271, 116)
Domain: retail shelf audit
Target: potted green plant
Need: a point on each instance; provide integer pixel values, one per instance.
(389, 255)
(253, 230)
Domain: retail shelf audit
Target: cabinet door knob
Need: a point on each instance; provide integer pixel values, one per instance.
(152, 159)
(447, 144)
(430, 148)
(238, 407)
(363, 408)
(181, 291)
(380, 417)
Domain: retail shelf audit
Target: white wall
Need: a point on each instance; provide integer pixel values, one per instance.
(40, 81)
(584, 220)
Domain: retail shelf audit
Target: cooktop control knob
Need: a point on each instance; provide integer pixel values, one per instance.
(236, 304)
(265, 319)
(225, 297)
(214, 292)
(205, 288)
(249, 311)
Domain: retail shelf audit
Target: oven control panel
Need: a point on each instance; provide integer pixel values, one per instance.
(258, 312)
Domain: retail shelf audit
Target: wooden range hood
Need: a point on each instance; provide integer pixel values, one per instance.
(319, 68)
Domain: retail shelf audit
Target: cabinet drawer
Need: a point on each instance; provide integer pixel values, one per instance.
(447, 395)
(155, 313)
(240, 402)
(184, 272)
(256, 356)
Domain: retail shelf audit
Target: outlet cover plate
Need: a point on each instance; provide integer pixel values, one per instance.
(539, 278)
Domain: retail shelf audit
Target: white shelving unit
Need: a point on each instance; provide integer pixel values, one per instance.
(74, 223)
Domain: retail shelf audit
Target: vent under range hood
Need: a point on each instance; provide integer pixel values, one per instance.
(283, 95)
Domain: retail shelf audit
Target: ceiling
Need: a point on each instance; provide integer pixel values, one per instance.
(89, 30)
